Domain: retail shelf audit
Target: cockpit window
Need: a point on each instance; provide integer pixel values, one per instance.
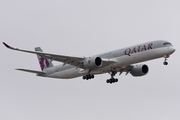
(167, 43)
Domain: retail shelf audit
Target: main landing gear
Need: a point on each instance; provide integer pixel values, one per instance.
(112, 79)
(165, 61)
(87, 77)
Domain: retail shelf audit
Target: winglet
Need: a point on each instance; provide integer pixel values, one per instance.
(6, 45)
(9, 46)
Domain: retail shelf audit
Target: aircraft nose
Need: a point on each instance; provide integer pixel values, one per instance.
(172, 50)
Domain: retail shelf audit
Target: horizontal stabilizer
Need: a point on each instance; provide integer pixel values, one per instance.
(32, 71)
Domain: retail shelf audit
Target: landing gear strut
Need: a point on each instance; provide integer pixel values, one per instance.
(165, 61)
(87, 77)
(112, 79)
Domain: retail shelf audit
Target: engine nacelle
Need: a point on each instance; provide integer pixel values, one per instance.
(92, 62)
(139, 70)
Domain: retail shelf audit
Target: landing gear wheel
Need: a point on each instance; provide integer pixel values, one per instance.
(107, 81)
(165, 63)
(112, 80)
(84, 77)
(88, 77)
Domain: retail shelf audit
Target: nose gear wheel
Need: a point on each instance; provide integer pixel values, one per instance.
(165, 61)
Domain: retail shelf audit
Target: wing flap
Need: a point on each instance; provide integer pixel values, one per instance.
(126, 69)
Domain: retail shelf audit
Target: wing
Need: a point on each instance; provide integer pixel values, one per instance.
(75, 61)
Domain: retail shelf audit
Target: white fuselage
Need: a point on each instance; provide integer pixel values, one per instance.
(123, 57)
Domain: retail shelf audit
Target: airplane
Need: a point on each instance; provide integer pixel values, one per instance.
(121, 60)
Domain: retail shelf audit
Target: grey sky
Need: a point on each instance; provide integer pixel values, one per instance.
(84, 28)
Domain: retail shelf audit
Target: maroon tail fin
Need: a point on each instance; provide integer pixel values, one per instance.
(44, 63)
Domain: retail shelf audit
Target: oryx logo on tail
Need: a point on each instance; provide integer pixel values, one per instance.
(44, 63)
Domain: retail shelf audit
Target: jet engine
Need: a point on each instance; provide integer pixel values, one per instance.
(139, 70)
(92, 62)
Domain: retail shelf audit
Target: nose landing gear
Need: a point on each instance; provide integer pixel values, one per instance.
(165, 61)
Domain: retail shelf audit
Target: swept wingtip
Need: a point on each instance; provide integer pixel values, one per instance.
(9, 46)
(6, 45)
